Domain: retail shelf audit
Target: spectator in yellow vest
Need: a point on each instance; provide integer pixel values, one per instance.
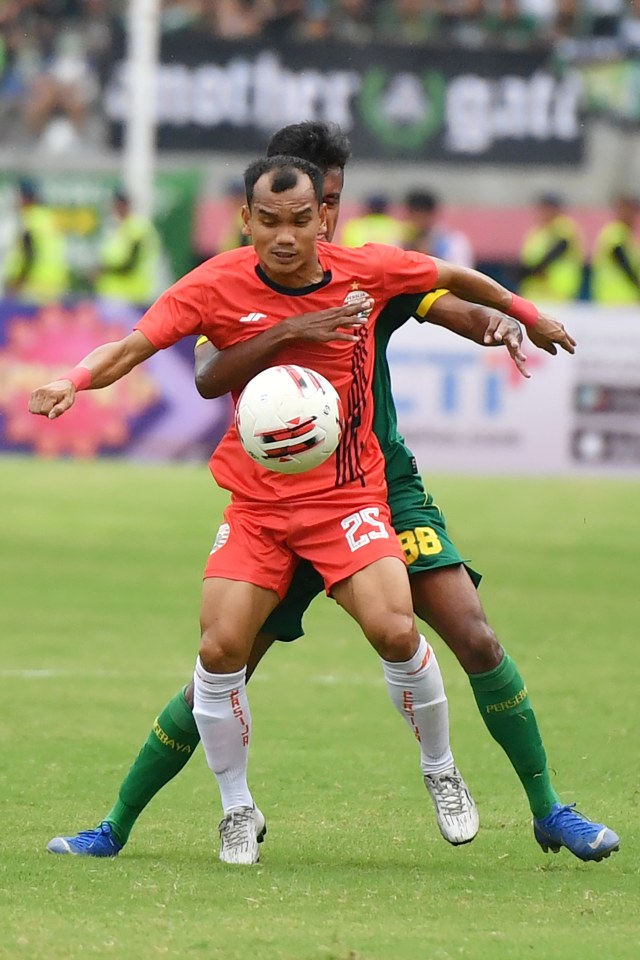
(552, 259)
(130, 257)
(615, 268)
(35, 268)
(376, 225)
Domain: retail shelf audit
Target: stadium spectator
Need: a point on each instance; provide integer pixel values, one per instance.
(353, 21)
(552, 260)
(35, 269)
(425, 233)
(375, 225)
(130, 256)
(60, 94)
(406, 21)
(615, 268)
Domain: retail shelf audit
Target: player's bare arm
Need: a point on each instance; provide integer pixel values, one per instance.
(104, 365)
(475, 287)
(218, 372)
(480, 324)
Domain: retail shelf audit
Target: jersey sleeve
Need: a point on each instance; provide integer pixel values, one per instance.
(176, 314)
(406, 271)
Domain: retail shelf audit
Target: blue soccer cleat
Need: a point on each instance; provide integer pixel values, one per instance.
(565, 827)
(101, 842)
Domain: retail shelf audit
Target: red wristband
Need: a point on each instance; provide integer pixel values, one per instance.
(80, 377)
(524, 311)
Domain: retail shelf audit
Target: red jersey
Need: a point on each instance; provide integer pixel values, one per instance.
(229, 299)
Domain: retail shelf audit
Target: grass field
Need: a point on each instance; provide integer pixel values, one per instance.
(100, 567)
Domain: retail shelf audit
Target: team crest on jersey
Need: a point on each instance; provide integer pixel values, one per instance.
(356, 296)
(221, 537)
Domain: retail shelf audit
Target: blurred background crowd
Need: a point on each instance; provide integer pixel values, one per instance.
(52, 52)
(56, 54)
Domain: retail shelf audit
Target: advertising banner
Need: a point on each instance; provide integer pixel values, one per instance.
(409, 103)
(465, 408)
(154, 413)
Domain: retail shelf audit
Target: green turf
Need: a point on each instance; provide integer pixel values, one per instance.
(100, 568)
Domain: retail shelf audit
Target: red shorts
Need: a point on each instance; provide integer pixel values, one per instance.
(264, 548)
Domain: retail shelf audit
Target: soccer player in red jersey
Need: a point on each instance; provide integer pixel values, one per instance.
(336, 516)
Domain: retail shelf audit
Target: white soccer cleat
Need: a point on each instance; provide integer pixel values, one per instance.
(241, 830)
(456, 812)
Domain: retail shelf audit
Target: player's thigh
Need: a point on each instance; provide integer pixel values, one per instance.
(231, 614)
(378, 597)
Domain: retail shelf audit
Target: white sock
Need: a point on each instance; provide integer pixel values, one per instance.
(417, 691)
(222, 715)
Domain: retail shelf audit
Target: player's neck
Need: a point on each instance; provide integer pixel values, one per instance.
(306, 276)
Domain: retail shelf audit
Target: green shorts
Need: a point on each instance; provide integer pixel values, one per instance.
(422, 530)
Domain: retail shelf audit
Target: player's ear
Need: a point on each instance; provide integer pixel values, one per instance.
(322, 229)
(246, 217)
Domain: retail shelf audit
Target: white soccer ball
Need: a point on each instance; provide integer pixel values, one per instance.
(289, 419)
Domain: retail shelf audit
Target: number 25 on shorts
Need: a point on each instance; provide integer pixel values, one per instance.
(422, 541)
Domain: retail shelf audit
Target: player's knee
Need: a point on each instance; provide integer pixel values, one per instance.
(479, 650)
(394, 636)
(219, 652)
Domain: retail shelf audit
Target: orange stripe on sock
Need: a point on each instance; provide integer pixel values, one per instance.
(425, 661)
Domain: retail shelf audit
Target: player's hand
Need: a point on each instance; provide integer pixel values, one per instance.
(504, 331)
(53, 399)
(547, 332)
(331, 324)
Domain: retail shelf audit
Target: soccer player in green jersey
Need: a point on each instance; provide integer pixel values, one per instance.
(443, 587)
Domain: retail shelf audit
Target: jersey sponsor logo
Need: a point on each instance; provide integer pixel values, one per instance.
(221, 537)
(356, 295)
(252, 317)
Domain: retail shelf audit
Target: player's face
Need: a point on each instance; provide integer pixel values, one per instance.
(331, 193)
(284, 229)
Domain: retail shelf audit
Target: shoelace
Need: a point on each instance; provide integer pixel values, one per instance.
(86, 837)
(451, 795)
(234, 827)
(569, 816)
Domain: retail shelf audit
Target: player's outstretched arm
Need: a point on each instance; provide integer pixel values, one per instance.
(103, 366)
(219, 371)
(481, 324)
(475, 287)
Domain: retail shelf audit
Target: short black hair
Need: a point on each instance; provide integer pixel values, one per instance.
(321, 143)
(422, 200)
(286, 172)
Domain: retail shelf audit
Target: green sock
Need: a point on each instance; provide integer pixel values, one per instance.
(504, 703)
(170, 744)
